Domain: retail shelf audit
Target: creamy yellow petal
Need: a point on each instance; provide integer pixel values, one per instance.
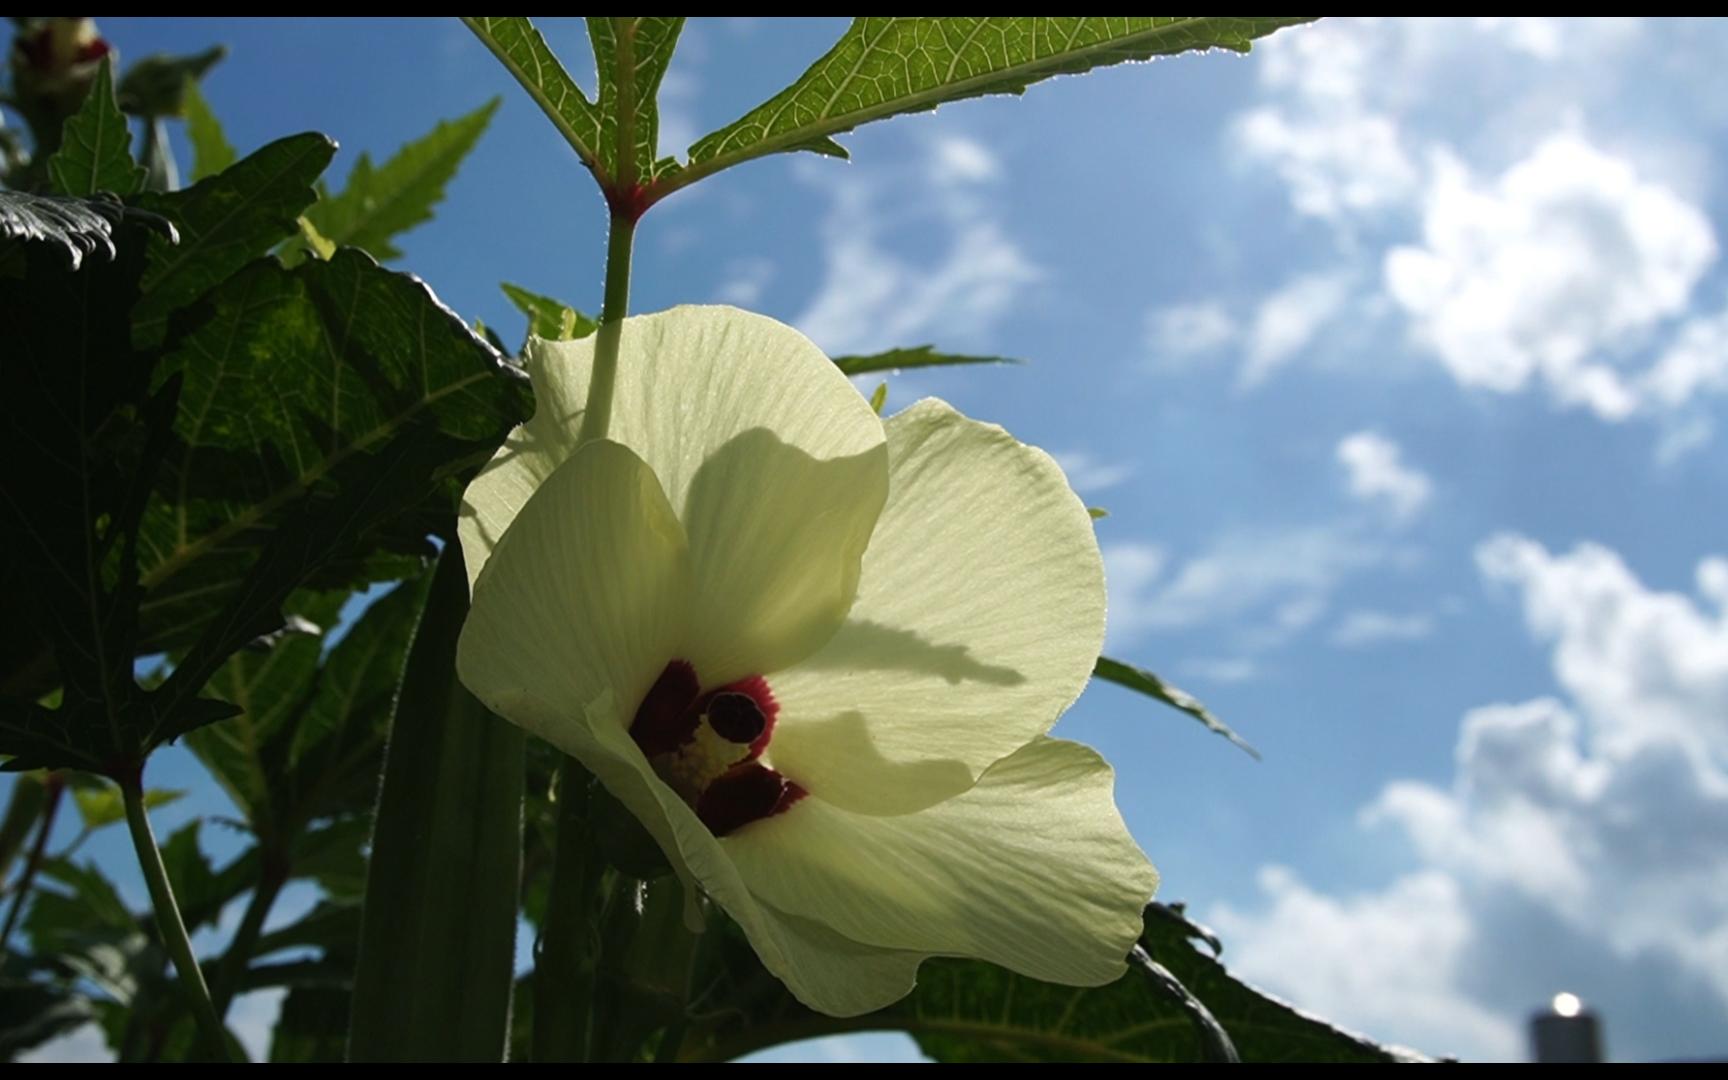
(584, 597)
(823, 968)
(1031, 869)
(690, 381)
(979, 616)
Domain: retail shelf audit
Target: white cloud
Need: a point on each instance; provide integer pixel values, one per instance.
(873, 295)
(1695, 362)
(744, 281)
(1385, 962)
(1377, 473)
(1596, 822)
(956, 159)
(1640, 662)
(1546, 270)
(1363, 629)
(1183, 333)
(1088, 473)
(1279, 579)
(1335, 151)
(1565, 269)
(1225, 669)
(1288, 320)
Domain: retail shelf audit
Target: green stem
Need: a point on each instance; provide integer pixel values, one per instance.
(566, 961)
(56, 790)
(235, 961)
(168, 921)
(597, 416)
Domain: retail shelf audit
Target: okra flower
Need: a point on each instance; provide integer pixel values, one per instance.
(815, 653)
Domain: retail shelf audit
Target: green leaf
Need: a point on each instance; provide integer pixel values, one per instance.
(967, 1011)
(884, 67)
(32, 1012)
(1145, 682)
(79, 438)
(211, 151)
(1097, 513)
(631, 55)
(316, 242)
(879, 398)
(100, 805)
(1263, 1028)
(226, 221)
(437, 943)
(920, 356)
(309, 742)
(159, 85)
(548, 318)
(327, 417)
(79, 226)
(96, 148)
(311, 1025)
(525, 54)
(271, 685)
(379, 203)
(616, 135)
(23, 809)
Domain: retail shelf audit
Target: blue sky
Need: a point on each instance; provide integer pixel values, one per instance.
(1397, 352)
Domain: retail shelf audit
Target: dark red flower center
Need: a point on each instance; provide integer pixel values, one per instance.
(706, 746)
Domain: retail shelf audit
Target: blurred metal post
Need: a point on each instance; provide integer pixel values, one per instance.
(1565, 1033)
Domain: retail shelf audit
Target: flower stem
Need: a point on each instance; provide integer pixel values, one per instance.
(597, 416)
(168, 921)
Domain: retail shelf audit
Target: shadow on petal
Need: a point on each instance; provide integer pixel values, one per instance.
(874, 784)
(863, 645)
(777, 540)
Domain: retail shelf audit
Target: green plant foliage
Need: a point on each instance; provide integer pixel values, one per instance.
(548, 318)
(320, 404)
(160, 85)
(95, 151)
(631, 56)
(79, 226)
(381, 202)
(1142, 681)
(225, 222)
(884, 67)
(211, 150)
(970, 1011)
(438, 932)
(920, 356)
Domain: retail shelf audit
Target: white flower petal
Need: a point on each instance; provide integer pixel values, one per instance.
(776, 539)
(1032, 869)
(979, 616)
(823, 968)
(690, 380)
(584, 597)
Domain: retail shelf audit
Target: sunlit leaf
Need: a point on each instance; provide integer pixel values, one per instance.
(379, 203)
(226, 221)
(920, 356)
(96, 150)
(1145, 682)
(548, 318)
(211, 151)
(884, 67)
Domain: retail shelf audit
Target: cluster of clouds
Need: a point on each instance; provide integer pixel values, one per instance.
(1592, 821)
(1578, 843)
(1517, 247)
(872, 295)
(1274, 583)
